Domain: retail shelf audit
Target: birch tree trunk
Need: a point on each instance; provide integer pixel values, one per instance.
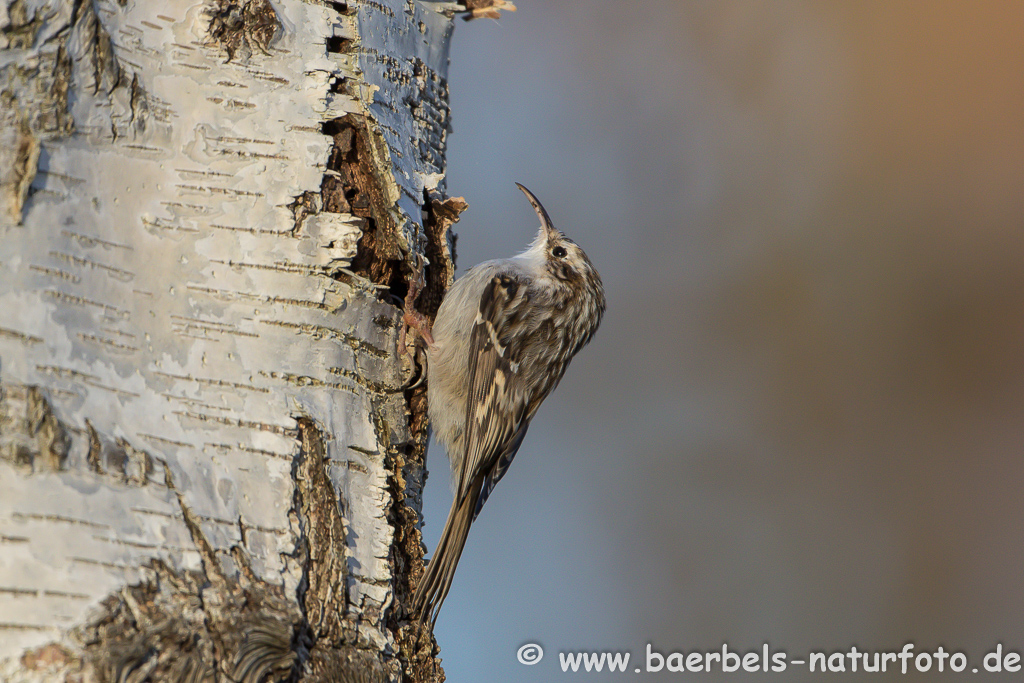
(210, 467)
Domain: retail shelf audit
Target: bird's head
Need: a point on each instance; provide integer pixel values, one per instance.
(557, 255)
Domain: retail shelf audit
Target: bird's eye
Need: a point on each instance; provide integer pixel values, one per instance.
(558, 252)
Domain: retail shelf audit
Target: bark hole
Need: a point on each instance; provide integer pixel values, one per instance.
(342, 86)
(338, 44)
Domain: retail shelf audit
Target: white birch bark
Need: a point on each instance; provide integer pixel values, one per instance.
(209, 468)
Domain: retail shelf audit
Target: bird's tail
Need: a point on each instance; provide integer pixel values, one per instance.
(437, 579)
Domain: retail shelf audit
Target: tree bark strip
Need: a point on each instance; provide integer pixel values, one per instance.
(210, 463)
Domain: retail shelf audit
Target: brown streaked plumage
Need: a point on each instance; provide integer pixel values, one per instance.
(503, 337)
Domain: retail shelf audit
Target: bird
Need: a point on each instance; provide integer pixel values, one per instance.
(501, 341)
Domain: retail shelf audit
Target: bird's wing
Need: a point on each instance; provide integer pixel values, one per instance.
(498, 412)
(497, 406)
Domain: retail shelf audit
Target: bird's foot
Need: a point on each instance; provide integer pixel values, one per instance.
(411, 318)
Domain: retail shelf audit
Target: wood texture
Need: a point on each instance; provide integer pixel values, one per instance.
(207, 216)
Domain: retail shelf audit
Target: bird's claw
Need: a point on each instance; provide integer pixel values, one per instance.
(411, 318)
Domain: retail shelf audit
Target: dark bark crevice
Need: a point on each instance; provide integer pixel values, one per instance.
(354, 185)
(327, 641)
(242, 27)
(190, 626)
(180, 625)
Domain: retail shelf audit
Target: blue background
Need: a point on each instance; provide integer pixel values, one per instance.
(801, 421)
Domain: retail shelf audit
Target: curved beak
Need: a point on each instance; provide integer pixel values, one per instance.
(545, 220)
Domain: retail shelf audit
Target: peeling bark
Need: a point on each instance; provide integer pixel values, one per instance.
(210, 463)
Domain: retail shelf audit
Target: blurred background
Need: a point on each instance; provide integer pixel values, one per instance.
(801, 422)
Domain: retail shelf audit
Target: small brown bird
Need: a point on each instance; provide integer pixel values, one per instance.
(500, 343)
